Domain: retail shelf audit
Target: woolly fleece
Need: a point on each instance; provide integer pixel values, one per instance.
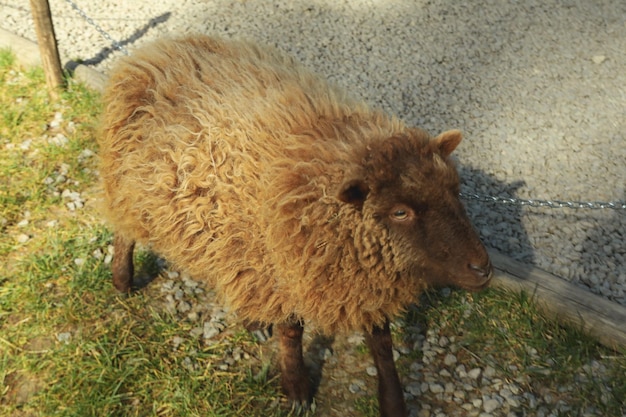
(229, 159)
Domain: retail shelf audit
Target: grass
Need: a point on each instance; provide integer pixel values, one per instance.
(71, 346)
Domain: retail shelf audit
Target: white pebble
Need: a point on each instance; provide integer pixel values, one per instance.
(490, 405)
(598, 59)
(372, 371)
(474, 373)
(356, 339)
(64, 337)
(413, 388)
(435, 388)
(449, 360)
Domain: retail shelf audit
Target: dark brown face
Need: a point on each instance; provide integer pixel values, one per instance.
(412, 189)
(430, 231)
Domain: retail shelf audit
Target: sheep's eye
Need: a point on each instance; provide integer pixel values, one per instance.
(401, 213)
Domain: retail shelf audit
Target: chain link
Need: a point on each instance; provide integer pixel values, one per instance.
(615, 205)
(594, 205)
(116, 45)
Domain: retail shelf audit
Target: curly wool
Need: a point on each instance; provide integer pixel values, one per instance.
(227, 159)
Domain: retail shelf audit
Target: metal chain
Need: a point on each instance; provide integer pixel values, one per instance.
(116, 45)
(615, 205)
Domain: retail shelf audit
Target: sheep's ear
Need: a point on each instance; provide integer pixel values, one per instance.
(354, 192)
(448, 141)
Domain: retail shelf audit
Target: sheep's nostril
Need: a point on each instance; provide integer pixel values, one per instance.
(482, 271)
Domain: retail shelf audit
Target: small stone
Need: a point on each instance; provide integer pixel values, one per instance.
(354, 388)
(423, 413)
(168, 285)
(444, 341)
(356, 339)
(26, 144)
(449, 360)
(79, 261)
(435, 388)
(326, 354)
(474, 373)
(196, 331)
(56, 122)
(176, 341)
(413, 388)
(190, 283)
(22, 223)
(184, 306)
(490, 405)
(23, 238)
(371, 371)
(210, 330)
(598, 59)
(64, 337)
(467, 406)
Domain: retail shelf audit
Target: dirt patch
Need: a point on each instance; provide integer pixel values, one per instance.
(21, 388)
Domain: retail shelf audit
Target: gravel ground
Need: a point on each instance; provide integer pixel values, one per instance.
(538, 87)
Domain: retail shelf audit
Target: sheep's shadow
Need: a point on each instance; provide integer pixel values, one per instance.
(105, 52)
(148, 267)
(602, 247)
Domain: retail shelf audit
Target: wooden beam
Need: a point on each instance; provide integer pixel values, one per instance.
(26, 51)
(47, 46)
(556, 297)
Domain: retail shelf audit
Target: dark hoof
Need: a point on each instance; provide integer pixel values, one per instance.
(302, 408)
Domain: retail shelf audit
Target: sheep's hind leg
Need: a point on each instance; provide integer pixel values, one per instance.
(390, 396)
(122, 267)
(294, 375)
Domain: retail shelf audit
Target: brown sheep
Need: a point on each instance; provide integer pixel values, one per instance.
(296, 203)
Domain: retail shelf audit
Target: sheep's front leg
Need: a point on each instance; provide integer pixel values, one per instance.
(390, 397)
(294, 375)
(123, 263)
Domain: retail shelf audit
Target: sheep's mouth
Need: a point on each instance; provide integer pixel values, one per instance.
(478, 285)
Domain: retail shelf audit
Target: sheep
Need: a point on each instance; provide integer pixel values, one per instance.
(295, 202)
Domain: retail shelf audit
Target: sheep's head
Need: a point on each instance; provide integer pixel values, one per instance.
(408, 185)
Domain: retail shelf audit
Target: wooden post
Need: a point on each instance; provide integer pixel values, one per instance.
(47, 46)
